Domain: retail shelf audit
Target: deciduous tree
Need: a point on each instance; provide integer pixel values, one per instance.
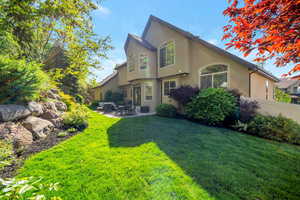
(271, 27)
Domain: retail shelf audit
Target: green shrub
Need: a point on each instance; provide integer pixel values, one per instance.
(26, 188)
(212, 106)
(20, 81)
(166, 110)
(281, 96)
(6, 154)
(276, 128)
(62, 134)
(79, 99)
(76, 117)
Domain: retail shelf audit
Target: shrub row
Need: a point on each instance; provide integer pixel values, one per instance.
(218, 106)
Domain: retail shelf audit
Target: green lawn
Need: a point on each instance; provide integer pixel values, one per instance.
(160, 158)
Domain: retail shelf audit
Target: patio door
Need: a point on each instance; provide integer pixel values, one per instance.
(137, 95)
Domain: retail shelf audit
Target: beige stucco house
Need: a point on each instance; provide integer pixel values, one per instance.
(166, 57)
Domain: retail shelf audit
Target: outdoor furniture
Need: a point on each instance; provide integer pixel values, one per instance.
(103, 105)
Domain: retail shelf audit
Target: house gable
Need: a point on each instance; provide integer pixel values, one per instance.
(190, 36)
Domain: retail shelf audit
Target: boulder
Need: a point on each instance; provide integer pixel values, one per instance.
(49, 114)
(39, 128)
(49, 106)
(35, 108)
(13, 112)
(53, 95)
(58, 122)
(61, 106)
(16, 133)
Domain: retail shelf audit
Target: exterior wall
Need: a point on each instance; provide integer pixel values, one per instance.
(99, 92)
(136, 50)
(202, 57)
(258, 87)
(122, 76)
(155, 93)
(157, 35)
(273, 108)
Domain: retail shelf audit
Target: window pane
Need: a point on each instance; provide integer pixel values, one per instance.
(214, 69)
(162, 57)
(143, 61)
(220, 80)
(166, 88)
(172, 84)
(206, 81)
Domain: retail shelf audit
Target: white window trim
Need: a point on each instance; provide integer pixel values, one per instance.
(147, 67)
(202, 68)
(163, 86)
(145, 84)
(158, 56)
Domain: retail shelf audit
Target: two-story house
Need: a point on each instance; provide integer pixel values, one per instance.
(165, 57)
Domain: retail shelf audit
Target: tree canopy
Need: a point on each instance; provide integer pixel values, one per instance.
(272, 27)
(30, 29)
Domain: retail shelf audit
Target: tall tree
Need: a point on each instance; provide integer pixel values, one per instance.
(33, 26)
(272, 27)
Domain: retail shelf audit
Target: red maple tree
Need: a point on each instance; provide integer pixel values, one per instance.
(272, 27)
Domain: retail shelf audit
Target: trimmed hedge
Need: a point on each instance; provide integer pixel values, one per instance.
(275, 128)
(166, 110)
(212, 106)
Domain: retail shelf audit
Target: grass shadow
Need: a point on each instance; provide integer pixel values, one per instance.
(227, 164)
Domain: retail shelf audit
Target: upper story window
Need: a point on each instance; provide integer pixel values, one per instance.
(169, 86)
(214, 76)
(167, 54)
(130, 63)
(143, 61)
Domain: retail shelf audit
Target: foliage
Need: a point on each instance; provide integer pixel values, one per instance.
(26, 188)
(240, 126)
(76, 117)
(248, 110)
(269, 26)
(6, 154)
(79, 99)
(36, 29)
(276, 128)
(281, 96)
(67, 99)
(20, 81)
(184, 94)
(165, 158)
(212, 106)
(62, 134)
(115, 97)
(166, 110)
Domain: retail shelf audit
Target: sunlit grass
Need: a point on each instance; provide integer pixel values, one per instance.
(160, 158)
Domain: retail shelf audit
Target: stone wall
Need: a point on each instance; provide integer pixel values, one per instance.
(24, 124)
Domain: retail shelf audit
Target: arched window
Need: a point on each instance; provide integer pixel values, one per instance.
(214, 76)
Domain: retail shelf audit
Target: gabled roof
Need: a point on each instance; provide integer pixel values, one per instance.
(139, 40)
(107, 79)
(190, 36)
(286, 83)
(121, 65)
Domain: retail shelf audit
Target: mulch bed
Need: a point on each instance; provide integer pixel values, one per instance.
(37, 146)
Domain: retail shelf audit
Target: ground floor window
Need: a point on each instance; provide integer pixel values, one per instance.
(148, 91)
(214, 76)
(169, 86)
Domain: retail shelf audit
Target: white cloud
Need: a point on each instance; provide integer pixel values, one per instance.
(103, 10)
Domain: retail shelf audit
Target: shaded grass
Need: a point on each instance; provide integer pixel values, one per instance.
(160, 158)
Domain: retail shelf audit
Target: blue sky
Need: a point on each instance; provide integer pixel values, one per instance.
(204, 18)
